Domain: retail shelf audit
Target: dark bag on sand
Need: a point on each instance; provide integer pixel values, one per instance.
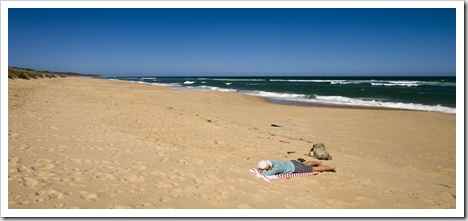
(319, 151)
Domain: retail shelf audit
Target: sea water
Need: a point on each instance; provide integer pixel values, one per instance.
(414, 93)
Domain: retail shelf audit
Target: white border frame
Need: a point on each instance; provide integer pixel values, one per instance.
(458, 212)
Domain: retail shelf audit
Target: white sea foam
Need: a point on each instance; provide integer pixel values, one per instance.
(399, 84)
(284, 96)
(189, 82)
(229, 83)
(316, 81)
(211, 88)
(438, 83)
(166, 84)
(320, 81)
(373, 82)
(150, 83)
(412, 83)
(233, 79)
(340, 100)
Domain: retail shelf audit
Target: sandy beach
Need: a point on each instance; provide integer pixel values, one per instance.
(89, 143)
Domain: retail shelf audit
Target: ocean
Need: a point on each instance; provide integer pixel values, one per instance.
(436, 94)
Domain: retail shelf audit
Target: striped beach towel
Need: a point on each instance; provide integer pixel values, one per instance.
(281, 176)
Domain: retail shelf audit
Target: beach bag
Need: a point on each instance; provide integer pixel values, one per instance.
(319, 151)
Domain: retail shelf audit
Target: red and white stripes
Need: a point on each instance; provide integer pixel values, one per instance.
(281, 176)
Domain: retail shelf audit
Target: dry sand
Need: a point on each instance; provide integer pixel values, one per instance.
(92, 143)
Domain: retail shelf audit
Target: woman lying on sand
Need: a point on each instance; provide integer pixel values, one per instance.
(272, 167)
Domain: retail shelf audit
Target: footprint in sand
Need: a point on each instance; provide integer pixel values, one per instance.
(147, 205)
(108, 167)
(45, 175)
(138, 166)
(295, 202)
(87, 196)
(182, 161)
(13, 161)
(245, 206)
(177, 178)
(13, 135)
(75, 172)
(162, 157)
(163, 185)
(243, 180)
(158, 173)
(58, 205)
(198, 161)
(29, 182)
(78, 179)
(26, 202)
(23, 169)
(43, 164)
(186, 192)
(211, 170)
(134, 178)
(121, 207)
(75, 160)
(187, 160)
(207, 180)
(164, 199)
(105, 176)
(50, 194)
(90, 197)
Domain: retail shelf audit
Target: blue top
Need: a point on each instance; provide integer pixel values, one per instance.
(280, 167)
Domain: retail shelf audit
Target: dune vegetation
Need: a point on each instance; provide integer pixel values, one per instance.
(26, 73)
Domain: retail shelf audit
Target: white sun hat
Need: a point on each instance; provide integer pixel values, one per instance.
(264, 164)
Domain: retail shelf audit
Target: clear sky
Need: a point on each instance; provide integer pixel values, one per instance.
(207, 42)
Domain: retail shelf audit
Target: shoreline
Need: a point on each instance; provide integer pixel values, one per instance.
(297, 103)
(317, 105)
(89, 143)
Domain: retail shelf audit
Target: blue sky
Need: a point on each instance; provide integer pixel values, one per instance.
(220, 42)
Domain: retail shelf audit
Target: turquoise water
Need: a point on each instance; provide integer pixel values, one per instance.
(414, 93)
